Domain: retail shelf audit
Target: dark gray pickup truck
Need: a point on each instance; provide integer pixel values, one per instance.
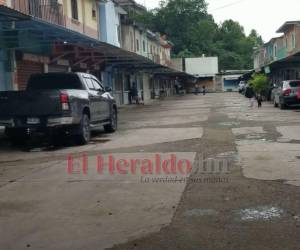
(58, 103)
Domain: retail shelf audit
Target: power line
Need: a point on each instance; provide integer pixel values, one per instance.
(228, 5)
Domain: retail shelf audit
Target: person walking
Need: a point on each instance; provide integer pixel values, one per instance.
(259, 100)
(177, 86)
(204, 90)
(250, 95)
(196, 89)
(134, 93)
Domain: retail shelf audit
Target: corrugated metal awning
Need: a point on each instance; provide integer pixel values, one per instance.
(14, 25)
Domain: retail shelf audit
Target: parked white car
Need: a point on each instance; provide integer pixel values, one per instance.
(287, 93)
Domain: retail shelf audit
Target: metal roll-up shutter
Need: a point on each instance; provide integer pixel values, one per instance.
(25, 69)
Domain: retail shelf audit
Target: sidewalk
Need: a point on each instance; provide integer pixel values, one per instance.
(148, 103)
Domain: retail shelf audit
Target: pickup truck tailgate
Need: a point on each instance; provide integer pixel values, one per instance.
(30, 103)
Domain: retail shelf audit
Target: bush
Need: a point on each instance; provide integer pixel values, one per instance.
(259, 83)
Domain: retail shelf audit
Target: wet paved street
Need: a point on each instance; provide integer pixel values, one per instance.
(243, 191)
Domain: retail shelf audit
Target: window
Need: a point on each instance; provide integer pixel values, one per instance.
(89, 83)
(131, 41)
(288, 75)
(137, 45)
(119, 33)
(74, 9)
(53, 3)
(293, 41)
(94, 11)
(144, 46)
(97, 85)
(295, 84)
(275, 50)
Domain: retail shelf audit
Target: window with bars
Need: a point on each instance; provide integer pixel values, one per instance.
(74, 9)
(293, 41)
(94, 10)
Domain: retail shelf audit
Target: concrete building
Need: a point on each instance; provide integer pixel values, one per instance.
(6, 69)
(131, 6)
(280, 57)
(110, 22)
(31, 55)
(82, 16)
(228, 81)
(177, 64)
(110, 32)
(204, 69)
(150, 45)
(83, 36)
(202, 66)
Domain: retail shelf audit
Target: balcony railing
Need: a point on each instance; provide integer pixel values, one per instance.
(48, 10)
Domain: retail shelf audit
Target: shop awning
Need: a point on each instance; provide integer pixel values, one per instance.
(14, 26)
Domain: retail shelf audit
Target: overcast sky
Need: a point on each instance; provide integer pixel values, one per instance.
(266, 16)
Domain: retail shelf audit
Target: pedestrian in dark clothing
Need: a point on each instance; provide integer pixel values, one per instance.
(204, 90)
(259, 100)
(250, 95)
(134, 94)
(196, 89)
(176, 89)
(177, 86)
(130, 95)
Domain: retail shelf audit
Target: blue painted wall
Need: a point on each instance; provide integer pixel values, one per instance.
(109, 23)
(5, 76)
(108, 76)
(231, 84)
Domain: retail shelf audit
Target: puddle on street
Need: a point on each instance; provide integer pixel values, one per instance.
(229, 124)
(254, 137)
(200, 212)
(264, 213)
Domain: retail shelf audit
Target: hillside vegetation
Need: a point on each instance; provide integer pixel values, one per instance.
(194, 33)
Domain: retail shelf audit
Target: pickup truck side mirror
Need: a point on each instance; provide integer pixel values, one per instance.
(108, 89)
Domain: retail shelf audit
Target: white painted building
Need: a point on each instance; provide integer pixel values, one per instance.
(205, 69)
(202, 66)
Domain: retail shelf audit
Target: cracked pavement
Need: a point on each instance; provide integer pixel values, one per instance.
(254, 205)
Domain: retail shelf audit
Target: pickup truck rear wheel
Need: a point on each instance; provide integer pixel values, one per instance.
(113, 124)
(84, 135)
(16, 137)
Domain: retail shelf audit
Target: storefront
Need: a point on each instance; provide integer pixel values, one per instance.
(26, 65)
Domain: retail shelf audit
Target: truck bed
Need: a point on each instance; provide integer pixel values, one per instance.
(30, 103)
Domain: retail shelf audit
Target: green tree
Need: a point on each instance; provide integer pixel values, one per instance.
(259, 82)
(255, 38)
(194, 32)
